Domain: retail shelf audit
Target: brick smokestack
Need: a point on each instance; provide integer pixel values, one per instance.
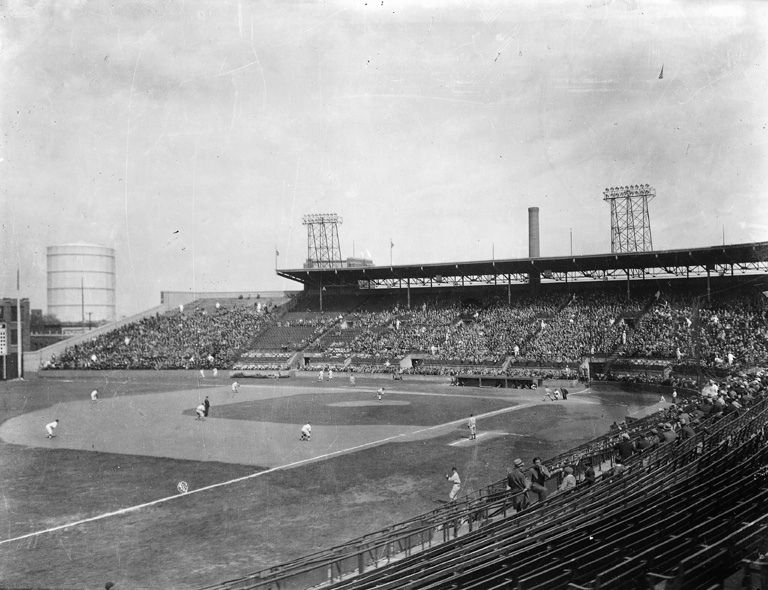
(533, 232)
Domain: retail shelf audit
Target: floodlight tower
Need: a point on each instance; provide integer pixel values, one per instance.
(323, 247)
(630, 222)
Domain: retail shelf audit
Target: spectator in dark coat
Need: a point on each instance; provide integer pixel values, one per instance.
(625, 448)
(518, 485)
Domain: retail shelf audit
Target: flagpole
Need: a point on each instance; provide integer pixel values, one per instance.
(20, 370)
(391, 245)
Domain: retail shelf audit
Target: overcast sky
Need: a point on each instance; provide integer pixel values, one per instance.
(433, 124)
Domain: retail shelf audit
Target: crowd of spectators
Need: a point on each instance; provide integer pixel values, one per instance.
(549, 335)
(679, 417)
(188, 338)
(565, 329)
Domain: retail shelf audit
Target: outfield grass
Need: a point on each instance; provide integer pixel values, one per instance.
(206, 537)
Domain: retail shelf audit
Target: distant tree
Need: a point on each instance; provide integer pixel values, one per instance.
(45, 323)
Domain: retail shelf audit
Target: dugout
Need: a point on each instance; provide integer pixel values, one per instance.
(501, 381)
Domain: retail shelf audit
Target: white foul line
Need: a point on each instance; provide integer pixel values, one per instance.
(246, 477)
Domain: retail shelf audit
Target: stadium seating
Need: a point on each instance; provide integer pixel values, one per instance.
(682, 515)
(548, 336)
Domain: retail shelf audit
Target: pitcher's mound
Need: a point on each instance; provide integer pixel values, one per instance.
(373, 402)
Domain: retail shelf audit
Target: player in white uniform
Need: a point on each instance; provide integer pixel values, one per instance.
(200, 411)
(235, 387)
(49, 428)
(472, 425)
(456, 481)
(94, 396)
(379, 393)
(306, 432)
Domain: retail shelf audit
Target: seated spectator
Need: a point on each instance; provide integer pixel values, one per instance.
(569, 480)
(625, 448)
(668, 434)
(589, 474)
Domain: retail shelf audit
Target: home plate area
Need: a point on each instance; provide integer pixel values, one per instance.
(487, 435)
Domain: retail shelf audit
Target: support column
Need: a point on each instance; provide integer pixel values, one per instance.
(627, 270)
(408, 287)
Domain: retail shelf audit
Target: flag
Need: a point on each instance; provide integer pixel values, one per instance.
(391, 243)
(661, 73)
(277, 252)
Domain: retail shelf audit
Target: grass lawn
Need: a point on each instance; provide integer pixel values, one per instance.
(207, 537)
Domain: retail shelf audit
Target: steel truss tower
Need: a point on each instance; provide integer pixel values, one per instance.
(323, 247)
(630, 222)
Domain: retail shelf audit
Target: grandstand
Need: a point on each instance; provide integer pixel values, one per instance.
(684, 510)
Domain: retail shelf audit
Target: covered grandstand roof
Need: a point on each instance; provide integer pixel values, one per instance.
(726, 259)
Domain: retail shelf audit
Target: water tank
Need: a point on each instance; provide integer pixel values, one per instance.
(81, 281)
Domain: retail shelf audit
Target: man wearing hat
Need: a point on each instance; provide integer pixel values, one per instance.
(538, 475)
(456, 481)
(518, 485)
(669, 434)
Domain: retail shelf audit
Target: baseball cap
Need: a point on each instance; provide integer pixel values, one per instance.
(517, 462)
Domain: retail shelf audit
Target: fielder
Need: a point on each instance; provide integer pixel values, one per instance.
(50, 427)
(200, 411)
(94, 396)
(379, 393)
(306, 432)
(472, 425)
(235, 387)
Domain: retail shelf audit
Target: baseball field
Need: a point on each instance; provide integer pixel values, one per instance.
(101, 502)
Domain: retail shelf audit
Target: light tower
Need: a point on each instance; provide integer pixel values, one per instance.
(323, 247)
(630, 222)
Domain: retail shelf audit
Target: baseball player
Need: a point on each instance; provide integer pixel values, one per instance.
(472, 425)
(50, 427)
